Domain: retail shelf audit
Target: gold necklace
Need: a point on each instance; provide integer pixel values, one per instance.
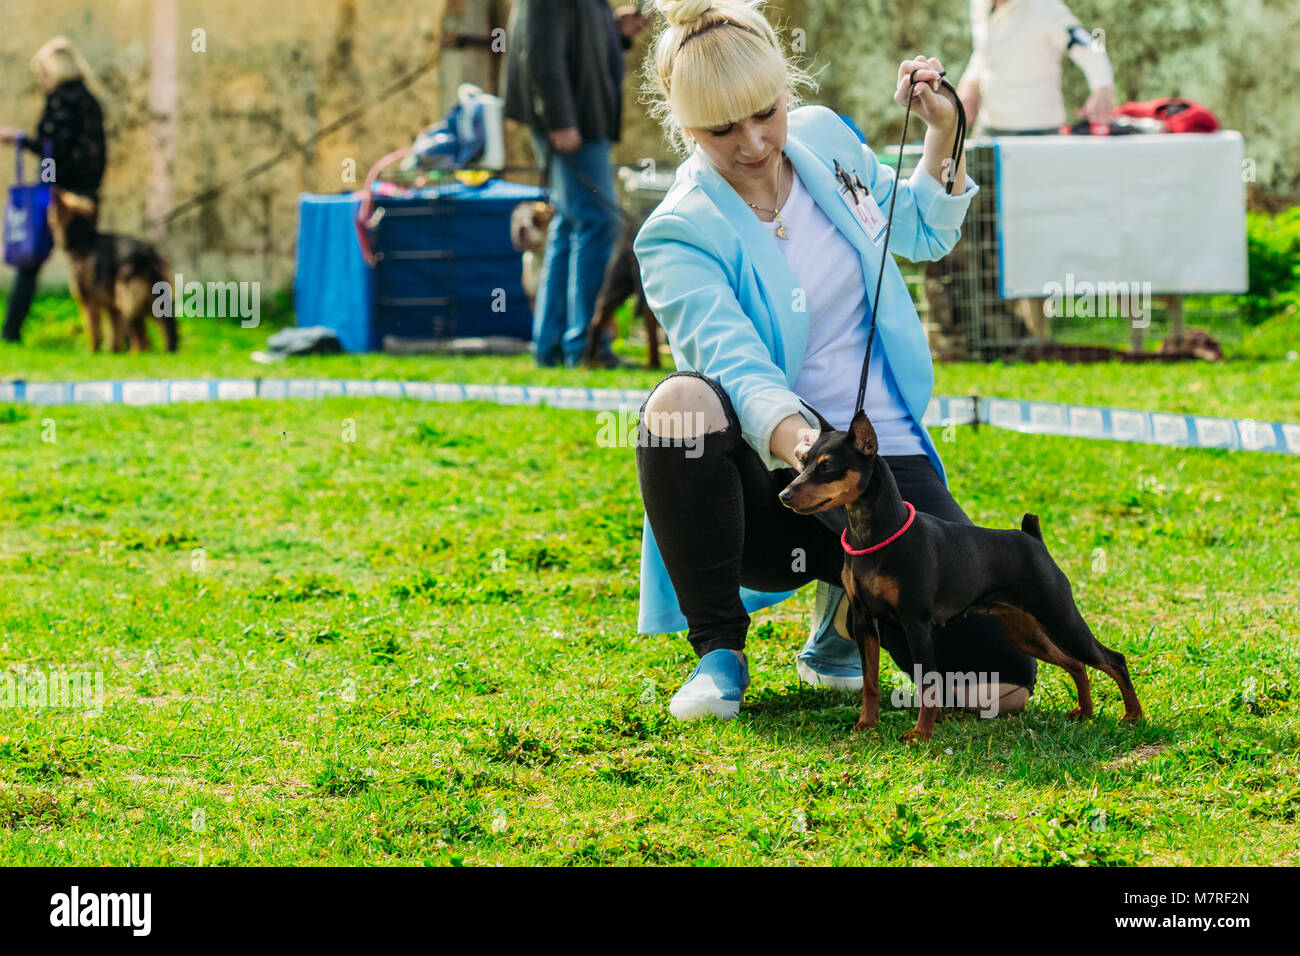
(776, 213)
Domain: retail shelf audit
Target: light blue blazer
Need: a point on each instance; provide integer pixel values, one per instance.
(726, 296)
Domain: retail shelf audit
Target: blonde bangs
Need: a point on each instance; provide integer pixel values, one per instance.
(717, 83)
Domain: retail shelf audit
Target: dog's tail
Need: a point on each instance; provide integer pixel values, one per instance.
(1029, 525)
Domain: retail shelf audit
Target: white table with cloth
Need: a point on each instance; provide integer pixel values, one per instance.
(1163, 209)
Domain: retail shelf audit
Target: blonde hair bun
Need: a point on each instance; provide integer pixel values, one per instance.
(680, 13)
(714, 62)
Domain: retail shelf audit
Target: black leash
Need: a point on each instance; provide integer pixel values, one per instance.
(958, 143)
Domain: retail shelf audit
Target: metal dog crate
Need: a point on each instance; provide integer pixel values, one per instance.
(957, 297)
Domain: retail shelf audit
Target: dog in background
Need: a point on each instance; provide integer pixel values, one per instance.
(622, 281)
(529, 222)
(112, 275)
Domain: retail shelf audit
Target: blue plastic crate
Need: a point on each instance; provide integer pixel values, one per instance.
(444, 267)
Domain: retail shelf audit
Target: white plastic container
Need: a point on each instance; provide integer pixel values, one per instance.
(473, 99)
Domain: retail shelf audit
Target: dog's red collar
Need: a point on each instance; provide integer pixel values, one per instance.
(844, 535)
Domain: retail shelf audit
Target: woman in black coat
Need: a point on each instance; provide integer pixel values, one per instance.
(72, 125)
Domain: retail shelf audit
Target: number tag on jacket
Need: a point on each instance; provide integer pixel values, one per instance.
(865, 211)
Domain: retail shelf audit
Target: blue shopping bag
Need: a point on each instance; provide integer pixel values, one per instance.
(27, 228)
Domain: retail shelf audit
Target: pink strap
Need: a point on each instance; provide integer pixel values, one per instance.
(844, 536)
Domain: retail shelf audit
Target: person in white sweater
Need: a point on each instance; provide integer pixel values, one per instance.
(1012, 84)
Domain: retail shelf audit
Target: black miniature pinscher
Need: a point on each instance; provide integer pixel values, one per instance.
(920, 570)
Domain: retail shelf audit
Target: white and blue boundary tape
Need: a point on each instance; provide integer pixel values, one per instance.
(1045, 418)
(168, 391)
(1117, 424)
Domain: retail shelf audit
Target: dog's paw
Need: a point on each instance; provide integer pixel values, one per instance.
(1078, 714)
(865, 724)
(914, 736)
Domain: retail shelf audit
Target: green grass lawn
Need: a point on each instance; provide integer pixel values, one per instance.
(1259, 382)
(418, 645)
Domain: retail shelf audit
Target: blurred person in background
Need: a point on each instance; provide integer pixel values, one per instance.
(72, 124)
(564, 80)
(1012, 84)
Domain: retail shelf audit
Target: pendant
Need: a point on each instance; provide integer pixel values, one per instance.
(781, 233)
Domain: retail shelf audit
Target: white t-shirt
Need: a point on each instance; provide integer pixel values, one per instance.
(829, 270)
(1017, 56)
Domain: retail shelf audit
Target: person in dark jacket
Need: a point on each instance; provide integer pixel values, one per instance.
(72, 128)
(564, 80)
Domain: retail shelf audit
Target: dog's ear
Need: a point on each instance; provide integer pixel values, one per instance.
(823, 423)
(864, 436)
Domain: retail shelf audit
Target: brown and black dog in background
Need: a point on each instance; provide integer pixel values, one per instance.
(529, 222)
(622, 281)
(112, 275)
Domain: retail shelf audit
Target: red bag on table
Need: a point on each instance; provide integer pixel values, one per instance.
(1181, 116)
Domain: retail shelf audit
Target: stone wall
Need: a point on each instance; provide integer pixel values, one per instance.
(268, 76)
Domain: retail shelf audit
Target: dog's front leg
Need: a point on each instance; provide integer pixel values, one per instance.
(930, 689)
(868, 641)
(871, 668)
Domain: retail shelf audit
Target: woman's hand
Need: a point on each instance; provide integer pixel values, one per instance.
(936, 109)
(806, 438)
(567, 140)
(939, 111)
(9, 134)
(1100, 106)
(630, 20)
(791, 439)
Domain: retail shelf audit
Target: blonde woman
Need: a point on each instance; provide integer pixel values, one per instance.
(761, 275)
(72, 126)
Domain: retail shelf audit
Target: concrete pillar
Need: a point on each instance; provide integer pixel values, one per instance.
(467, 27)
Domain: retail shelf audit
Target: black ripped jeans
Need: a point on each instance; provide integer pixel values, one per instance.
(713, 507)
